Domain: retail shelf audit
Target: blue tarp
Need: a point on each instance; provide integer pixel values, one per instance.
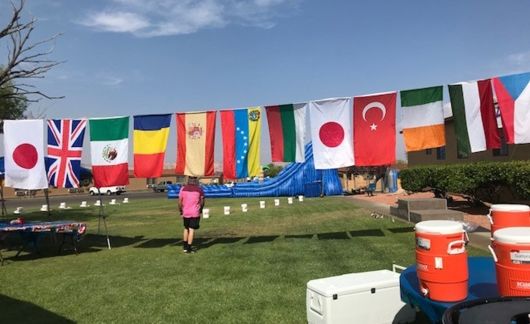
(294, 179)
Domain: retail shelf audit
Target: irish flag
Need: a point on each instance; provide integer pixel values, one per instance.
(150, 140)
(109, 146)
(513, 95)
(241, 142)
(195, 147)
(474, 117)
(423, 118)
(287, 132)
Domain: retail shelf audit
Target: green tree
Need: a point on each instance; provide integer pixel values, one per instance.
(271, 170)
(11, 107)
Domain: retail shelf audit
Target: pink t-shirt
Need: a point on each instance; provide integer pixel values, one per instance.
(190, 200)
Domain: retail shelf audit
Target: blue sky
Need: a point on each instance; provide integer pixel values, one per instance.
(126, 57)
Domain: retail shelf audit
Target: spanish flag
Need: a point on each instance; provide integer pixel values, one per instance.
(195, 145)
(150, 141)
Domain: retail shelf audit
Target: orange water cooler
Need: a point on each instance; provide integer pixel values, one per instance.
(441, 260)
(511, 252)
(508, 215)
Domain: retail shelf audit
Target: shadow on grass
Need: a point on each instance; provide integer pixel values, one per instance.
(397, 230)
(98, 242)
(18, 311)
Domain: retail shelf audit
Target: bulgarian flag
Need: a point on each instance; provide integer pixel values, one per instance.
(423, 118)
(195, 147)
(474, 117)
(109, 146)
(287, 132)
(241, 142)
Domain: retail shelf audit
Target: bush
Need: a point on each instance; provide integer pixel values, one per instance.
(483, 180)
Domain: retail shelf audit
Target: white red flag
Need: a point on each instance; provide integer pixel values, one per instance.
(24, 154)
(331, 133)
(374, 120)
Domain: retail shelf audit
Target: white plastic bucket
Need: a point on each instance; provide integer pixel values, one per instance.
(205, 213)
(262, 204)
(300, 198)
(290, 200)
(227, 210)
(276, 202)
(244, 208)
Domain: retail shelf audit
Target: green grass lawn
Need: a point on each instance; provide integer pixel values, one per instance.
(250, 268)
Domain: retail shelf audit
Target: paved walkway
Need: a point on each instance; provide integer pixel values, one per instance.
(475, 216)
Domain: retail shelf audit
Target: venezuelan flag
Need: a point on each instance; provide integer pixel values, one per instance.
(241, 129)
(150, 141)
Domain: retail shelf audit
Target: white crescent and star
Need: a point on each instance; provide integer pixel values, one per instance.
(378, 105)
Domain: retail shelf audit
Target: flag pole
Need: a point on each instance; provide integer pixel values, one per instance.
(4, 209)
(104, 217)
(47, 197)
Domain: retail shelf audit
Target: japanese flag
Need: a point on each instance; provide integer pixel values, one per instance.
(24, 154)
(331, 133)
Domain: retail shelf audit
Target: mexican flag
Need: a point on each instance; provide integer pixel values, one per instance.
(287, 132)
(109, 144)
(423, 118)
(474, 116)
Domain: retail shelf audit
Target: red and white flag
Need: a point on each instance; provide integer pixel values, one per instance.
(374, 129)
(331, 133)
(24, 154)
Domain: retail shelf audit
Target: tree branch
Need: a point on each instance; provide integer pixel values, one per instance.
(25, 60)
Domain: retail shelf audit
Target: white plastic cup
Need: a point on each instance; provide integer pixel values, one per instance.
(300, 198)
(227, 210)
(244, 208)
(276, 202)
(205, 213)
(290, 200)
(262, 204)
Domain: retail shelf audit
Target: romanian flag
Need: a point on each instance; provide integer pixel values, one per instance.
(195, 147)
(150, 141)
(241, 142)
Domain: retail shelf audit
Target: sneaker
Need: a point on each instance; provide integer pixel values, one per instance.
(190, 251)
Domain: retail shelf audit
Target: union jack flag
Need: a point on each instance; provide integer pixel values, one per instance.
(65, 145)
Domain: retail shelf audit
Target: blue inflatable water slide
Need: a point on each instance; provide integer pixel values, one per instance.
(295, 179)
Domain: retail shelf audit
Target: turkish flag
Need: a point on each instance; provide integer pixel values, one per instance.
(374, 129)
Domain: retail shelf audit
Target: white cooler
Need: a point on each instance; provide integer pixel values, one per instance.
(366, 297)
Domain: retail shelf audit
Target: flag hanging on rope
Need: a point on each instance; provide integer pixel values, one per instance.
(150, 136)
(195, 146)
(24, 154)
(109, 146)
(331, 133)
(423, 118)
(374, 120)
(65, 145)
(513, 96)
(287, 127)
(241, 130)
(474, 117)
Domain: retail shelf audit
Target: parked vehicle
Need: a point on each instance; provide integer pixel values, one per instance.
(161, 186)
(118, 190)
